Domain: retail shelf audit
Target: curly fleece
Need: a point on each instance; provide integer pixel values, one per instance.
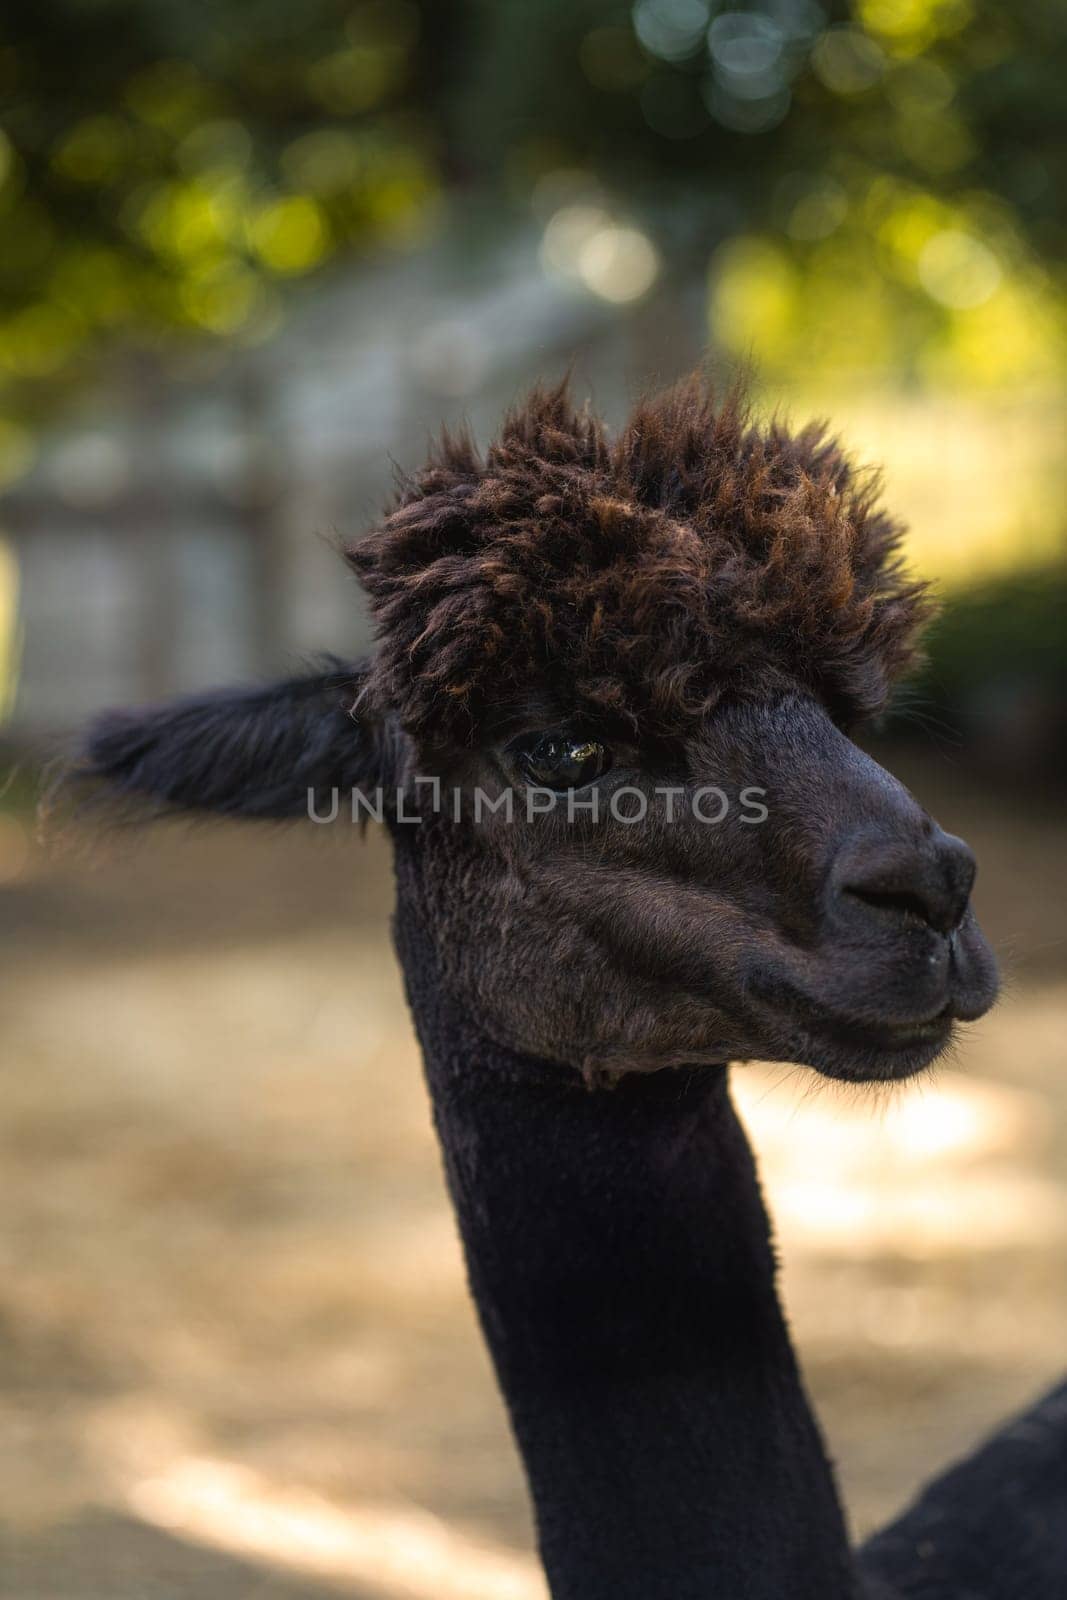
(638, 579)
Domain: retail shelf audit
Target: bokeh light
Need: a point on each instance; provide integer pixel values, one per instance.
(958, 269)
(671, 29)
(616, 260)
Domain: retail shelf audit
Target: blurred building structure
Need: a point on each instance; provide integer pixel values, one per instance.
(180, 530)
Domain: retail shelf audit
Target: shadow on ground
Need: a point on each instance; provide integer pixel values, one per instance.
(101, 1556)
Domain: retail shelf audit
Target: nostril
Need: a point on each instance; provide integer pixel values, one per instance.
(900, 874)
(904, 903)
(928, 886)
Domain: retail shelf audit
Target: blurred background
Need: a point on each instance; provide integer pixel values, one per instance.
(250, 256)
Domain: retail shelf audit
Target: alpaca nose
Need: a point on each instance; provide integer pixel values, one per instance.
(930, 880)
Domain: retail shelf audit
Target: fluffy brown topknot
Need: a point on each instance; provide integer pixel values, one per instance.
(636, 579)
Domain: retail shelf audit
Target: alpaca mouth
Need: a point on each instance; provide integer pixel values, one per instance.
(856, 1049)
(875, 1009)
(862, 1052)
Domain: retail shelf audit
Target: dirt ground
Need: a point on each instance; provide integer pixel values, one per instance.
(236, 1353)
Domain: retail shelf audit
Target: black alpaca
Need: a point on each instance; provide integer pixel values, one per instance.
(697, 607)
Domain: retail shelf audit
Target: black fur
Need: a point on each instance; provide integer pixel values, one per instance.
(619, 1256)
(250, 753)
(994, 1527)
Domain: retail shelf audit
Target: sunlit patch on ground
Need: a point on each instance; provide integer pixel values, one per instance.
(394, 1551)
(939, 1167)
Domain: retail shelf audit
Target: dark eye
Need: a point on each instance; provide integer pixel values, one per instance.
(562, 761)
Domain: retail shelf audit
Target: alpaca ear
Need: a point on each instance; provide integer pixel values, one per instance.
(278, 751)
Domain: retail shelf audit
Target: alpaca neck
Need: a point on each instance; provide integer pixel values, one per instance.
(619, 1254)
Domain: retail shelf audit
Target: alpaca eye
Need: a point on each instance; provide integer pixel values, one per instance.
(560, 761)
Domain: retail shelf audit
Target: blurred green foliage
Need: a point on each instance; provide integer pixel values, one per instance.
(879, 183)
(996, 673)
(167, 166)
(1017, 618)
(720, 102)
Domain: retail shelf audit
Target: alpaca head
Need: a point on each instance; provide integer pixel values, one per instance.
(614, 685)
(636, 661)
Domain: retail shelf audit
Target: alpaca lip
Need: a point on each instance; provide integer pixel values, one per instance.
(890, 1036)
(875, 1009)
(842, 1045)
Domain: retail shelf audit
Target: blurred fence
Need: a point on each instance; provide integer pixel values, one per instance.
(181, 530)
